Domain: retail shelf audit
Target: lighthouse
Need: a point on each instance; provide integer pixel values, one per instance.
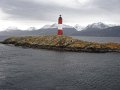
(60, 31)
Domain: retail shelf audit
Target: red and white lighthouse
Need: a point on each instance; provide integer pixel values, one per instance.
(60, 30)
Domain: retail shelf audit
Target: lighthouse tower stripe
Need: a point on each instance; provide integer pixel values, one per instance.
(60, 26)
(60, 31)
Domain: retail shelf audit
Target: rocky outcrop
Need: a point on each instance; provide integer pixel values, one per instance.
(62, 43)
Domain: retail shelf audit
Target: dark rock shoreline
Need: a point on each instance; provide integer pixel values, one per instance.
(72, 45)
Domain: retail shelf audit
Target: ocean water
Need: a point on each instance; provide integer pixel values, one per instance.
(33, 69)
(99, 39)
(4, 37)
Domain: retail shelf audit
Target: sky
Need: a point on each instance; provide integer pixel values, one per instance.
(36, 13)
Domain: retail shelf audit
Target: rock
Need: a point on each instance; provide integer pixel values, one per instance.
(63, 43)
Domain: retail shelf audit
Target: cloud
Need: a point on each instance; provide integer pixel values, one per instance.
(19, 9)
(111, 5)
(72, 10)
(39, 10)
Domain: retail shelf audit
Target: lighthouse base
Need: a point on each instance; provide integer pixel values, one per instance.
(60, 32)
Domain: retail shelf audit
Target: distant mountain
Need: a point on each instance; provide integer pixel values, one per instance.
(11, 28)
(106, 32)
(78, 27)
(98, 25)
(92, 26)
(31, 28)
(45, 30)
(95, 29)
(100, 29)
(50, 31)
(46, 26)
(55, 25)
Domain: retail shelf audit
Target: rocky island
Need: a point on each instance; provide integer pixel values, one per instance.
(62, 43)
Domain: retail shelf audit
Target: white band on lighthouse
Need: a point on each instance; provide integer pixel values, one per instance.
(60, 26)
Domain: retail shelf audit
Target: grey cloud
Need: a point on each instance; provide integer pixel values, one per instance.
(24, 9)
(108, 5)
(37, 11)
(33, 10)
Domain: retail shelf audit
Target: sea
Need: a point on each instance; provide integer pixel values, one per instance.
(40, 69)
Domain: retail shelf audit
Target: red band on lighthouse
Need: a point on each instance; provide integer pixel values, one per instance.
(60, 31)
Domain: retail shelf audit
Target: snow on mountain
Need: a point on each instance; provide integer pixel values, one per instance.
(11, 28)
(46, 27)
(98, 25)
(31, 28)
(67, 26)
(55, 25)
(78, 27)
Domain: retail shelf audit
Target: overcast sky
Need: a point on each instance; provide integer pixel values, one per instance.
(28, 13)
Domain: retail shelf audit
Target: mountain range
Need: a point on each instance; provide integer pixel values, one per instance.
(96, 29)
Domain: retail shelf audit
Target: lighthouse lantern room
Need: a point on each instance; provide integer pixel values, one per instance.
(60, 30)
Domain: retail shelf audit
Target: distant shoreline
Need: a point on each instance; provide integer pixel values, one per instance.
(62, 43)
